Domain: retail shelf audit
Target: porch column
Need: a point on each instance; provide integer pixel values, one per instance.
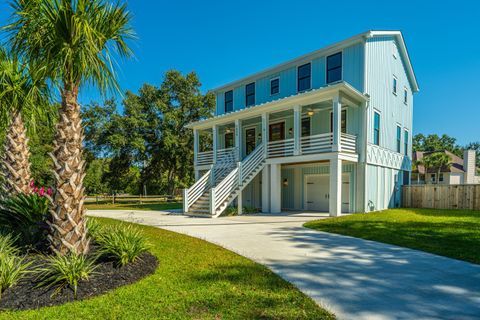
(275, 188)
(266, 189)
(297, 129)
(265, 133)
(197, 175)
(335, 187)
(337, 124)
(195, 147)
(238, 139)
(214, 142)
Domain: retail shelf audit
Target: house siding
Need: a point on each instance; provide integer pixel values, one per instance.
(353, 70)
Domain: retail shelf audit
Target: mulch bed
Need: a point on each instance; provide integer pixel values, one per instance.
(25, 295)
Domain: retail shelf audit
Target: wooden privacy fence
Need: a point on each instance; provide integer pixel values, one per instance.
(438, 196)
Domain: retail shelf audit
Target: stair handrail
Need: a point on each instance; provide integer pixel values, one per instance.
(235, 178)
(193, 193)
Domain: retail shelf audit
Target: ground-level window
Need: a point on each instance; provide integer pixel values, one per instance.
(306, 127)
(376, 128)
(343, 121)
(440, 178)
(229, 140)
(277, 131)
(432, 178)
(406, 177)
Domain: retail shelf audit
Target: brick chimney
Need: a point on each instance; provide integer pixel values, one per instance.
(469, 166)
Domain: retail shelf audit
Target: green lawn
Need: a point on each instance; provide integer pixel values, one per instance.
(194, 280)
(450, 233)
(154, 206)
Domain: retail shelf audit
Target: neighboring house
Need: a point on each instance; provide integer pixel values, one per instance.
(460, 171)
(328, 131)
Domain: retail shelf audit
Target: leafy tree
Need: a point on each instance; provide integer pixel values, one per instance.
(94, 178)
(436, 161)
(72, 40)
(150, 135)
(434, 142)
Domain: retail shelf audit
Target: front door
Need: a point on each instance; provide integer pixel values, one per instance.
(250, 141)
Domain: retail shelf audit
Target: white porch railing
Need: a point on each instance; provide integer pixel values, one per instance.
(204, 158)
(318, 143)
(348, 142)
(227, 155)
(235, 179)
(282, 148)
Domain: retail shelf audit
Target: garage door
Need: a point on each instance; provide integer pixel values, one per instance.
(317, 193)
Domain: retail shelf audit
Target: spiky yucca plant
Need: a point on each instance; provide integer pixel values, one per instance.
(73, 40)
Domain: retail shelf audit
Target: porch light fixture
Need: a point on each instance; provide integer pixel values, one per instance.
(310, 113)
(228, 130)
(285, 182)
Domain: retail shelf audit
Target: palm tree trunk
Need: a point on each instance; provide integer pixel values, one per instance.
(16, 158)
(68, 231)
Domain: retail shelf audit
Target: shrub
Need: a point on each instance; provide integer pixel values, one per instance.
(123, 244)
(65, 271)
(12, 268)
(233, 211)
(25, 216)
(7, 246)
(93, 228)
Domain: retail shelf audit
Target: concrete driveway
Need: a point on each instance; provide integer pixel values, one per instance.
(353, 278)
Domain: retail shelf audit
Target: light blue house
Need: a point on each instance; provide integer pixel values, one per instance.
(328, 131)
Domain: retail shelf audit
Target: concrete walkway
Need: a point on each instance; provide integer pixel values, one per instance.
(353, 278)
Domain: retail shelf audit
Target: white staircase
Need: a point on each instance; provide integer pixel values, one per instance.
(215, 190)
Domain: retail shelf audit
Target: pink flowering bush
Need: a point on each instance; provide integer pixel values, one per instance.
(42, 192)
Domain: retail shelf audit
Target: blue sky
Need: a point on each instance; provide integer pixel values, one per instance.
(226, 40)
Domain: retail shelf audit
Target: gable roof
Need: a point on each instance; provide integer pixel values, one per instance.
(456, 165)
(336, 46)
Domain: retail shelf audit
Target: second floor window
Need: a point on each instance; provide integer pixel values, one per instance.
(405, 96)
(250, 94)
(274, 86)
(394, 89)
(228, 101)
(304, 77)
(376, 128)
(399, 138)
(405, 142)
(334, 67)
(306, 127)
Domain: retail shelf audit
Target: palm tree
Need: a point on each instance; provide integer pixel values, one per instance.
(21, 95)
(73, 39)
(437, 161)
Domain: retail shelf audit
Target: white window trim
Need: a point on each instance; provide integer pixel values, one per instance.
(395, 88)
(399, 126)
(405, 152)
(379, 128)
(254, 94)
(405, 90)
(233, 101)
(394, 49)
(270, 89)
(326, 67)
(311, 74)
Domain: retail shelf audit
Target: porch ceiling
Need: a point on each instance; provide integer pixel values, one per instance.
(347, 93)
